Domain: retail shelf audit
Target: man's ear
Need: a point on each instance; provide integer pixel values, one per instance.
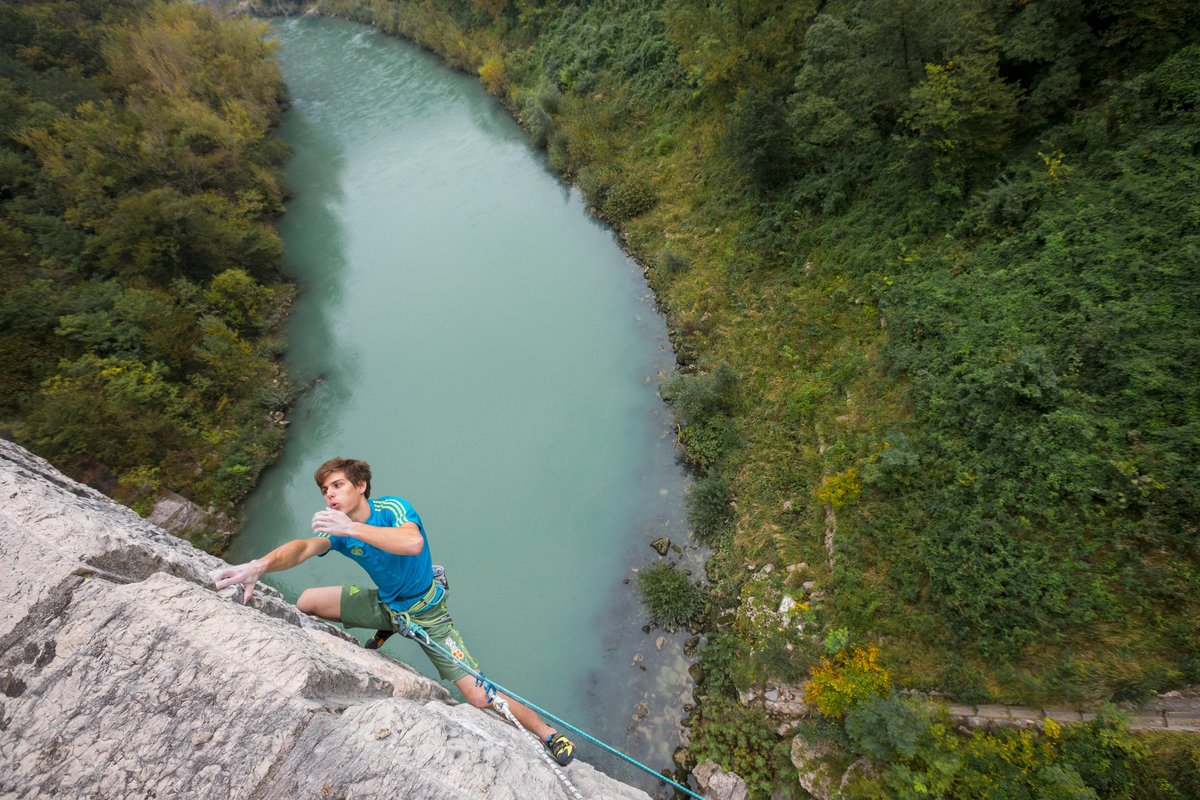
(361, 486)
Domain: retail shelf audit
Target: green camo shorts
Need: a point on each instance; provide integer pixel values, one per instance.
(361, 608)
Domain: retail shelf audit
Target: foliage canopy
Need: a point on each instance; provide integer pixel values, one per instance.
(141, 269)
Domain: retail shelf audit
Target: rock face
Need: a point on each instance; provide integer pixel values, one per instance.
(123, 674)
(180, 516)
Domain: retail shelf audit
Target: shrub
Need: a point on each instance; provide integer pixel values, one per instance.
(701, 394)
(629, 198)
(837, 641)
(540, 126)
(1009, 763)
(558, 151)
(840, 683)
(1105, 754)
(1176, 82)
(493, 76)
(1172, 769)
(840, 489)
(670, 597)
(595, 184)
(741, 740)
(708, 506)
(721, 656)
(242, 302)
(671, 262)
(550, 99)
(916, 754)
(705, 441)
(891, 728)
(758, 139)
(118, 412)
(138, 488)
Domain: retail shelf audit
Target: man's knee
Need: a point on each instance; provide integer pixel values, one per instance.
(475, 695)
(307, 602)
(323, 601)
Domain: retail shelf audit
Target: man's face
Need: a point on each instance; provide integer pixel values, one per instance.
(340, 494)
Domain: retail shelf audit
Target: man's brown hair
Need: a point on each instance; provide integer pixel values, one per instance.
(355, 471)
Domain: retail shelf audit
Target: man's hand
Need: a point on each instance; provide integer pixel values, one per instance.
(333, 522)
(246, 574)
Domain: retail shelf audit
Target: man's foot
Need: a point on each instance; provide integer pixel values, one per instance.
(376, 641)
(561, 748)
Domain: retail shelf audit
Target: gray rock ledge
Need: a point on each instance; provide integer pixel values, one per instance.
(123, 675)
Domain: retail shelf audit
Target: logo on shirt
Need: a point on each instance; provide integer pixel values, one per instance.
(354, 590)
(356, 551)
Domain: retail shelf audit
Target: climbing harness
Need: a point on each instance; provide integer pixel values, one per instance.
(413, 631)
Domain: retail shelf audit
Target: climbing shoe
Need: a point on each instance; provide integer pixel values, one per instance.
(376, 641)
(561, 748)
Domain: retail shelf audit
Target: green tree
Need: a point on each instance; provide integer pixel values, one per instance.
(113, 412)
(243, 303)
(1049, 43)
(835, 90)
(961, 114)
(737, 45)
(161, 234)
(231, 364)
(135, 166)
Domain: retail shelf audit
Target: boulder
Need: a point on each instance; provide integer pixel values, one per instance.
(781, 701)
(124, 674)
(176, 514)
(717, 784)
(820, 767)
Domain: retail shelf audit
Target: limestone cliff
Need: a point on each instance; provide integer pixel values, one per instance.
(123, 675)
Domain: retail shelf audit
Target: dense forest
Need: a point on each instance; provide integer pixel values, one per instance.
(931, 272)
(141, 273)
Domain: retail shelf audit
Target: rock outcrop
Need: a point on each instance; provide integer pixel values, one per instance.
(717, 784)
(177, 515)
(123, 674)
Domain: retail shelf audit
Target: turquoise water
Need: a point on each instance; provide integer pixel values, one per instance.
(484, 343)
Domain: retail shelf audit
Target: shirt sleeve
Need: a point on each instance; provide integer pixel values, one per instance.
(396, 511)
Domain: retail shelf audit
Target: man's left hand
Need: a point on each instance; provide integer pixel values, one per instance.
(333, 522)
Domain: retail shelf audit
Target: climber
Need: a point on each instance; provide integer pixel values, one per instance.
(387, 539)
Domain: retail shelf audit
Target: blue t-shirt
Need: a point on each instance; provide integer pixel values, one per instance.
(396, 576)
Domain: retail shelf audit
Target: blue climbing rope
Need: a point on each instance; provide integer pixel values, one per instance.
(421, 636)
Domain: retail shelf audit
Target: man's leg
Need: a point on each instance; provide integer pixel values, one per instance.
(562, 747)
(352, 605)
(322, 601)
(437, 623)
(477, 697)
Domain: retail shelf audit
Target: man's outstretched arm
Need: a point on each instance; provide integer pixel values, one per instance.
(285, 556)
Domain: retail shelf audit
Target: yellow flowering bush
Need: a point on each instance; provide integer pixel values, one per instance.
(839, 489)
(493, 76)
(839, 683)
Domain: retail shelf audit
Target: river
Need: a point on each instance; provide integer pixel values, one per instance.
(484, 343)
